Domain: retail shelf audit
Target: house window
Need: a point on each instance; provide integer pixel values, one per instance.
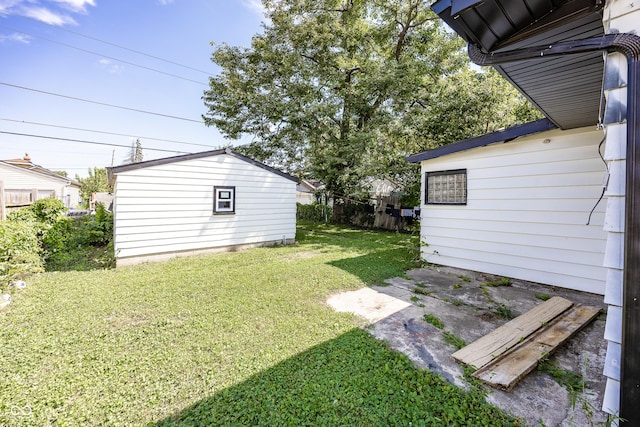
(224, 200)
(446, 187)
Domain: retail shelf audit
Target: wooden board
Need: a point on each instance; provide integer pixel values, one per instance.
(505, 372)
(484, 350)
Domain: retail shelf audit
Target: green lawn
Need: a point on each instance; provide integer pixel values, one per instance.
(230, 339)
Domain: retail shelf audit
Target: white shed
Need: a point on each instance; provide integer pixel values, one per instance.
(204, 202)
(521, 209)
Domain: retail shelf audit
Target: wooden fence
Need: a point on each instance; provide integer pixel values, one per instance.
(385, 212)
(11, 198)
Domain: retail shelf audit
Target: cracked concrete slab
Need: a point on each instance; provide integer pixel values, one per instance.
(470, 305)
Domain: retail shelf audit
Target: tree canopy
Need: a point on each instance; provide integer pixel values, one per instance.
(96, 181)
(343, 90)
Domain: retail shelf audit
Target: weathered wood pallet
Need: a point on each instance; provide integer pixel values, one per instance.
(511, 367)
(493, 345)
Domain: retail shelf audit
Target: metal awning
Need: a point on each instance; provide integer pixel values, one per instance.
(566, 89)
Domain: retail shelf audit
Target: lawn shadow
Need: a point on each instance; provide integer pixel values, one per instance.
(377, 266)
(353, 379)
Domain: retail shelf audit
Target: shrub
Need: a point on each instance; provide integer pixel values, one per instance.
(48, 211)
(20, 253)
(81, 243)
(313, 212)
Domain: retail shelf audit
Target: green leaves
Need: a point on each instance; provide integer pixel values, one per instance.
(324, 86)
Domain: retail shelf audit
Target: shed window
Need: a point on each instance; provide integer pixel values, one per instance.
(446, 187)
(224, 200)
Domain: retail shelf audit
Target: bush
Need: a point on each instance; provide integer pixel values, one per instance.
(314, 212)
(81, 243)
(20, 253)
(47, 211)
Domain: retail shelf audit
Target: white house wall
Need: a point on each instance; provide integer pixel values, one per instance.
(168, 208)
(527, 207)
(16, 178)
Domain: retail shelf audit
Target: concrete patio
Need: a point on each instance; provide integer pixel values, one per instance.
(468, 307)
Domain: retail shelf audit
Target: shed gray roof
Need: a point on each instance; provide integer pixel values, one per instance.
(133, 166)
(480, 141)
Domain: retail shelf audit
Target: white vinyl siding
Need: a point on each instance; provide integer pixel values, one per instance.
(16, 178)
(168, 208)
(527, 207)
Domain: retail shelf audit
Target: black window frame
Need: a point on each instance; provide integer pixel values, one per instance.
(217, 189)
(445, 173)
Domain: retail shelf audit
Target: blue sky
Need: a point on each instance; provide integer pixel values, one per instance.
(35, 55)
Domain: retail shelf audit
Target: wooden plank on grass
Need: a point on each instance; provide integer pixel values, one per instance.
(482, 351)
(504, 373)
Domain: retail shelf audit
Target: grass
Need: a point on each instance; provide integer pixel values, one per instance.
(503, 312)
(542, 297)
(230, 339)
(455, 341)
(504, 281)
(433, 320)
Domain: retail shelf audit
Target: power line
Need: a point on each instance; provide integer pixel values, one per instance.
(104, 132)
(104, 56)
(130, 50)
(100, 103)
(85, 141)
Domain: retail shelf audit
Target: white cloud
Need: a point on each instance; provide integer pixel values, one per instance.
(6, 5)
(52, 12)
(15, 37)
(110, 66)
(77, 6)
(47, 16)
(256, 6)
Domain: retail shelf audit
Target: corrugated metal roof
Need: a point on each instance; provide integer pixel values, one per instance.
(549, 83)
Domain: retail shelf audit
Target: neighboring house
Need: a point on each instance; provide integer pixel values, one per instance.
(23, 183)
(204, 202)
(381, 187)
(306, 191)
(578, 62)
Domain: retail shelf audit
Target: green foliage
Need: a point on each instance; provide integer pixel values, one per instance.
(82, 243)
(20, 238)
(503, 312)
(430, 318)
(46, 211)
(464, 278)
(572, 381)
(542, 297)
(22, 215)
(504, 281)
(313, 212)
(19, 250)
(450, 338)
(343, 91)
(422, 291)
(96, 181)
(325, 86)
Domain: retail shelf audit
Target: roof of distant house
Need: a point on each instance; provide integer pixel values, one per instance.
(25, 163)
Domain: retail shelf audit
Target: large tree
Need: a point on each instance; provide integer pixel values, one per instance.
(340, 89)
